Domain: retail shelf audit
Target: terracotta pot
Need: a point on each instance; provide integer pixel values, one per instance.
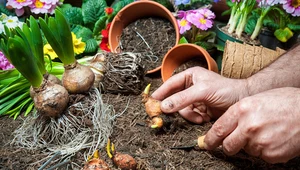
(180, 54)
(133, 12)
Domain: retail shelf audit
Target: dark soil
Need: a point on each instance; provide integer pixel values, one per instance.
(191, 63)
(150, 147)
(152, 37)
(244, 38)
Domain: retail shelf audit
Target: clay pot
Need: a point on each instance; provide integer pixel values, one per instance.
(180, 54)
(133, 12)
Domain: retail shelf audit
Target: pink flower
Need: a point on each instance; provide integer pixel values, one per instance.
(208, 14)
(199, 21)
(52, 2)
(18, 4)
(181, 14)
(4, 63)
(184, 25)
(291, 6)
(39, 7)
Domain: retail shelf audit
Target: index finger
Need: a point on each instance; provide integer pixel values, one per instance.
(173, 85)
(224, 126)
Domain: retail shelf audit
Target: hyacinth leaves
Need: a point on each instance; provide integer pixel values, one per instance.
(20, 47)
(58, 33)
(16, 48)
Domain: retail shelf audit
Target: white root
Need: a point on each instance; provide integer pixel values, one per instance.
(89, 129)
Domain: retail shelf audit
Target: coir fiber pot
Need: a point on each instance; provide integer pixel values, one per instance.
(182, 53)
(134, 11)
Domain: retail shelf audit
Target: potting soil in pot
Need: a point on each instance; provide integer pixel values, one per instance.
(152, 37)
(191, 63)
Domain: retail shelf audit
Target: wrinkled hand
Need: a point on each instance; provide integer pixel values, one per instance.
(188, 91)
(265, 125)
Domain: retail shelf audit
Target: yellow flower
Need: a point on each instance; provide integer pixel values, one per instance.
(79, 46)
(48, 50)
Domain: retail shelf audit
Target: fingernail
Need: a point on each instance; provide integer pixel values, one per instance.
(167, 105)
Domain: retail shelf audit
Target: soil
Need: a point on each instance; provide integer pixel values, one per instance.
(152, 37)
(151, 148)
(244, 38)
(191, 63)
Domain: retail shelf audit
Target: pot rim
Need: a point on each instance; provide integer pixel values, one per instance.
(167, 15)
(165, 72)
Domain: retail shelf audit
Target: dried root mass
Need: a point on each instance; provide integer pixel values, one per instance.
(124, 73)
(86, 124)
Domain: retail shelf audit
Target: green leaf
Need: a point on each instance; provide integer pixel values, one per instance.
(24, 61)
(13, 102)
(118, 5)
(91, 46)
(294, 27)
(92, 10)
(283, 35)
(204, 36)
(183, 40)
(5, 11)
(250, 26)
(14, 84)
(82, 32)
(73, 15)
(51, 38)
(29, 108)
(166, 3)
(65, 36)
(205, 45)
(34, 37)
(11, 95)
(219, 47)
(100, 25)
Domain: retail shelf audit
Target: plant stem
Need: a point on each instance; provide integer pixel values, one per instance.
(232, 14)
(241, 26)
(194, 34)
(259, 23)
(234, 22)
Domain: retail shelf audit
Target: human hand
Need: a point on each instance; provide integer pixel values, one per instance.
(265, 125)
(188, 91)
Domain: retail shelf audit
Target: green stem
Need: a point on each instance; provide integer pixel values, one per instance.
(194, 34)
(232, 14)
(234, 22)
(241, 26)
(259, 23)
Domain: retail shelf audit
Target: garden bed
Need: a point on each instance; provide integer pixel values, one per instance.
(151, 148)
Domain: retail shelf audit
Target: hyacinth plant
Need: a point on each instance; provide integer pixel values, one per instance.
(194, 26)
(251, 16)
